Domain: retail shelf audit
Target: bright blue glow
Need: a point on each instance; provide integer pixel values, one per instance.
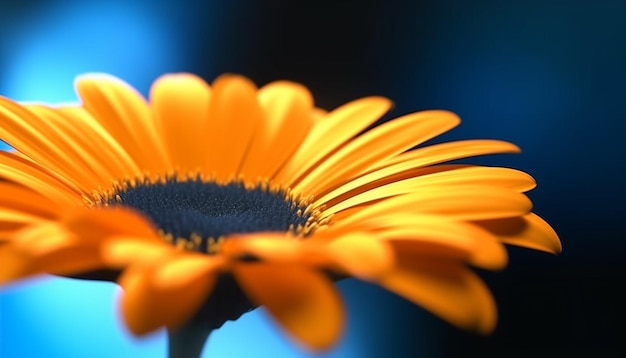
(55, 44)
(69, 318)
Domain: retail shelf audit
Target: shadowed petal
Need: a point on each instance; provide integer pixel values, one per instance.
(166, 292)
(528, 231)
(45, 248)
(303, 301)
(450, 291)
(287, 110)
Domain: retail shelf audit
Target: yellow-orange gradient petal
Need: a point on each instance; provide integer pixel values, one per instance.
(20, 206)
(81, 146)
(430, 236)
(180, 106)
(528, 231)
(277, 248)
(376, 145)
(45, 248)
(302, 300)
(116, 159)
(287, 108)
(29, 174)
(473, 175)
(448, 290)
(124, 113)
(22, 199)
(121, 251)
(38, 140)
(467, 202)
(97, 225)
(445, 152)
(269, 246)
(362, 255)
(166, 292)
(234, 114)
(329, 133)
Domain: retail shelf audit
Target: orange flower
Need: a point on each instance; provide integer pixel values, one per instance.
(207, 189)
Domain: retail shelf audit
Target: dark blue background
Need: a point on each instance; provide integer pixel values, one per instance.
(546, 75)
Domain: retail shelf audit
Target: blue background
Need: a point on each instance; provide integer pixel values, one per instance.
(546, 75)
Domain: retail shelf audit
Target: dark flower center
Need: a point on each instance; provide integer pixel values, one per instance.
(200, 212)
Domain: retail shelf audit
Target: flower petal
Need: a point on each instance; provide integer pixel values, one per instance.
(166, 292)
(329, 133)
(45, 248)
(362, 255)
(376, 145)
(98, 140)
(528, 231)
(122, 251)
(277, 248)
(29, 174)
(84, 144)
(471, 175)
(234, 113)
(180, 105)
(21, 199)
(303, 301)
(450, 291)
(287, 120)
(468, 202)
(12, 220)
(429, 236)
(124, 113)
(372, 180)
(444, 152)
(97, 224)
(39, 140)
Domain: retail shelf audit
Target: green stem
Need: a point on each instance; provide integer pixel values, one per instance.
(188, 341)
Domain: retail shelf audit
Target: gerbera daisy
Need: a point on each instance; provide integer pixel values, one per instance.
(204, 202)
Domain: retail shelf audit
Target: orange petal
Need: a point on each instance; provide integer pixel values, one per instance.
(45, 248)
(22, 199)
(376, 145)
(14, 218)
(98, 141)
(272, 247)
(303, 301)
(81, 146)
(38, 140)
(471, 175)
(287, 119)
(180, 106)
(450, 291)
(97, 224)
(362, 255)
(528, 231)
(29, 174)
(444, 152)
(166, 292)
(124, 113)
(330, 133)
(234, 115)
(467, 202)
(277, 248)
(424, 236)
(121, 251)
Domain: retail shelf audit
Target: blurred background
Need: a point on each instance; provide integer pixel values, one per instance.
(547, 75)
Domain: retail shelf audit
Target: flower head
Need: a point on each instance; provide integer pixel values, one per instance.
(206, 201)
